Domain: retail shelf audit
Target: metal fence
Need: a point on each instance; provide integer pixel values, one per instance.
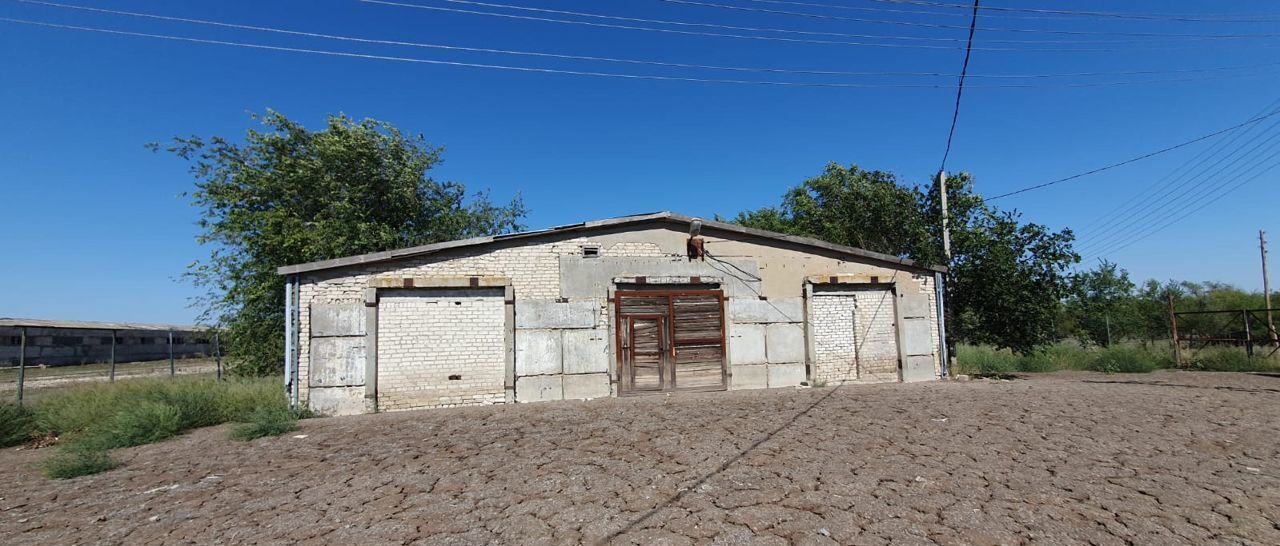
(1250, 329)
(98, 358)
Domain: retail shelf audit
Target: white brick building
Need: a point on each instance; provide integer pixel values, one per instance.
(613, 307)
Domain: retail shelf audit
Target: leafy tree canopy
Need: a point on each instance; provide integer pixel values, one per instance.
(1007, 277)
(286, 195)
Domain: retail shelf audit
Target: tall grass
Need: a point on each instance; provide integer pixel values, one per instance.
(985, 360)
(16, 424)
(92, 419)
(1229, 359)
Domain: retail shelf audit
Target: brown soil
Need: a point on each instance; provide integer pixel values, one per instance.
(1164, 458)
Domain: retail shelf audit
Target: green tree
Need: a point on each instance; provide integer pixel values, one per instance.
(289, 195)
(1007, 277)
(1103, 306)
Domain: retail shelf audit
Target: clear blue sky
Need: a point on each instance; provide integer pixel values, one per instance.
(96, 226)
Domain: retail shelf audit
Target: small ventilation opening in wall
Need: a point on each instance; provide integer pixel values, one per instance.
(591, 251)
(457, 303)
(455, 377)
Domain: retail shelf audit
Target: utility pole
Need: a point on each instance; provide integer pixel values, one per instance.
(1266, 286)
(1173, 331)
(946, 216)
(948, 346)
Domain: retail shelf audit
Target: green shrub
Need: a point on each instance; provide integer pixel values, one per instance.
(146, 422)
(1231, 359)
(241, 399)
(1124, 359)
(16, 424)
(985, 360)
(265, 421)
(76, 462)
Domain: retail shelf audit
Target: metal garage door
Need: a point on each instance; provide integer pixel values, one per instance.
(440, 347)
(670, 340)
(854, 331)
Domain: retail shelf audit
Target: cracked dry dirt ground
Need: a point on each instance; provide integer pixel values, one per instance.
(1165, 458)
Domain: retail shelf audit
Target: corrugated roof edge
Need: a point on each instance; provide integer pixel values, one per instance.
(94, 325)
(388, 255)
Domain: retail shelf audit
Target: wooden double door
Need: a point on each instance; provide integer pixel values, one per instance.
(670, 340)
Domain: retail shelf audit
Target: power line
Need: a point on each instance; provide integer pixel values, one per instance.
(525, 69)
(673, 31)
(1155, 17)
(857, 8)
(1172, 196)
(964, 69)
(811, 15)
(1202, 206)
(710, 25)
(620, 60)
(1135, 159)
(1178, 179)
(711, 34)
(1125, 210)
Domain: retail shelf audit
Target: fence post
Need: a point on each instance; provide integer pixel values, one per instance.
(1248, 335)
(113, 355)
(1173, 328)
(172, 371)
(217, 353)
(22, 364)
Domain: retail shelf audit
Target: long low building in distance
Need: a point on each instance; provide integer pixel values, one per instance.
(65, 342)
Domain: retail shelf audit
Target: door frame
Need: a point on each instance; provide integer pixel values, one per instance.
(625, 387)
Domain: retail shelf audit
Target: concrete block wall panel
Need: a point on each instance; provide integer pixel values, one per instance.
(749, 377)
(538, 352)
(746, 344)
(916, 338)
(589, 277)
(786, 375)
(337, 361)
(765, 311)
(552, 314)
(585, 386)
(784, 343)
(918, 368)
(338, 401)
(539, 388)
(329, 320)
(585, 351)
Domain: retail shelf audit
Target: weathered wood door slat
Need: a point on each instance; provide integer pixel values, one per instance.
(671, 340)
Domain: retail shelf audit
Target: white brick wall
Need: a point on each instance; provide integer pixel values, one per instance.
(854, 336)
(424, 336)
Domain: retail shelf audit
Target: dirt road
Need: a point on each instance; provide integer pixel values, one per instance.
(1165, 458)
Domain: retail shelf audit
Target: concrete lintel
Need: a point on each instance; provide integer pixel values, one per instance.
(850, 278)
(456, 281)
(669, 279)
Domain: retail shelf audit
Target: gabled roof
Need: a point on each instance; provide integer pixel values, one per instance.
(609, 223)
